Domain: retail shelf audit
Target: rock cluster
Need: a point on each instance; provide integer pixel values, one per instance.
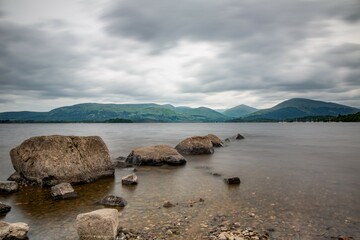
(50, 160)
(155, 156)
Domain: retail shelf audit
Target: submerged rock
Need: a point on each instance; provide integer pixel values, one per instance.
(63, 191)
(8, 186)
(99, 224)
(4, 209)
(131, 179)
(114, 201)
(155, 156)
(232, 180)
(50, 160)
(13, 231)
(195, 146)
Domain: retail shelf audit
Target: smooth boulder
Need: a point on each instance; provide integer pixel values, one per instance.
(113, 201)
(4, 209)
(131, 179)
(155, 156)
(195, 146)
(99, 224)
(8, 186)
(50, 160)
(63, 191)
(13, 231)
(215, 140)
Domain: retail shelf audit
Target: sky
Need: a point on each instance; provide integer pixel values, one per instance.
(214, 53)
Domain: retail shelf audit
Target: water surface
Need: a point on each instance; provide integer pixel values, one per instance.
(301, 179)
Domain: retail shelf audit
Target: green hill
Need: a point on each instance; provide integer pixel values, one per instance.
(298, 108)
(93, 112)
(239, 111)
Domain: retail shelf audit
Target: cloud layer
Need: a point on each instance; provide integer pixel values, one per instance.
(211, 53)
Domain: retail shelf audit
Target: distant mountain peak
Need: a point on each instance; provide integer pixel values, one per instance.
(239, 111)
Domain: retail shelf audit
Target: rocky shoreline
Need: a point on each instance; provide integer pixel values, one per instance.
(92, 155)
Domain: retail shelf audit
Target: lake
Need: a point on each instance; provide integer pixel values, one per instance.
(301, 180)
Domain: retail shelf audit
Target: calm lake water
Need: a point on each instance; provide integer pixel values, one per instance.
(300, 179)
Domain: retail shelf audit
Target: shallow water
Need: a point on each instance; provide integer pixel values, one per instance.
(301, 179)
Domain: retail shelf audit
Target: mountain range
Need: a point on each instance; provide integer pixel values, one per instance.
(150, 112)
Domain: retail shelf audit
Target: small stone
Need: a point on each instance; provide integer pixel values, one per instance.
(168, 204)
(201, 200)
(169, 232)
(203, 225)
(112, 200)
(8, 186)
(131, 179)
(223, 229)
(223, 236)
(232, 180)
(252, 214)
(4, 209)
(63, 191)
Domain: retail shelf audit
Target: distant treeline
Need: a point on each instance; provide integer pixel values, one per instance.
(340, 118)
(115, 120)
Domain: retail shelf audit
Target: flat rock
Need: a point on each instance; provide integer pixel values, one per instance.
(195, 145)
(50, 160)
(13, 231)
(100, 224)
(215, 140)
(63, 191)
(4, 209)
(114, 201)
(131, 179)
(155, 156)
(232, 180)
(8, 186)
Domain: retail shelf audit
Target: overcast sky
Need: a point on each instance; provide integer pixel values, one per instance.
(215, 53)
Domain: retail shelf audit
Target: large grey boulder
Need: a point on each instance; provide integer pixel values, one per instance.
(155, 156)
(4, 209)
(195, 146)
(99, 224)
(63, 191)
(13, 231)
(8, 186)
(50, 160)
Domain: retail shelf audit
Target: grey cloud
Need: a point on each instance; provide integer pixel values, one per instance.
(165, 22)
(33, 60)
